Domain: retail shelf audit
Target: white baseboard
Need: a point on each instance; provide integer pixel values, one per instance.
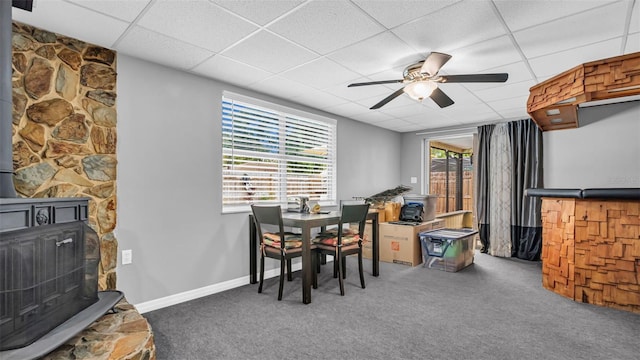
(204, 291)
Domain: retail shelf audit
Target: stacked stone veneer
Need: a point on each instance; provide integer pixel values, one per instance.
(64, 145)
(64, 128)
(591, 251)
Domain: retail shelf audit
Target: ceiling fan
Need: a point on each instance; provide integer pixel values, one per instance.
(421, 81)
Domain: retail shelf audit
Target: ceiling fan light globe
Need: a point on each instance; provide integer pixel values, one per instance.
(420, 89)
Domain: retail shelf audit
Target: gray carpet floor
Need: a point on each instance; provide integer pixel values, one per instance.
(493, 309)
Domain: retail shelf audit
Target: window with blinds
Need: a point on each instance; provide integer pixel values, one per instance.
(270, 153)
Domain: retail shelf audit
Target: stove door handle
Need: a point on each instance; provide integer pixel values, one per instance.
(65, 241)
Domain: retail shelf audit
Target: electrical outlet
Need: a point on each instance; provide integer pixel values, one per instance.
(414, 180)
(127, 257)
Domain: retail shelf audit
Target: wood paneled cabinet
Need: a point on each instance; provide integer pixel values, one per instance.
(21, 213)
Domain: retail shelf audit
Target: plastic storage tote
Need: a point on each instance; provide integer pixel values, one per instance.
(447, 249)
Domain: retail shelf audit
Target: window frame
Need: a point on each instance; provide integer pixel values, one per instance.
(284, 114)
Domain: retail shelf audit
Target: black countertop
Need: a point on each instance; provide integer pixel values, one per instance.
(598, 193)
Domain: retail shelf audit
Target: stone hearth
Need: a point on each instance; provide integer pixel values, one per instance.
(124, 335)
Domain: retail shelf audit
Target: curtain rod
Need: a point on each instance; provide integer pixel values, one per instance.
(464, 128)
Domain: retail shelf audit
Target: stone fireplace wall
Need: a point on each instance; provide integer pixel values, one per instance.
(64, 128)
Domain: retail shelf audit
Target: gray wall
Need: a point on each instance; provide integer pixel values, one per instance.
(169, 180)
(411, 161)
(603, 152)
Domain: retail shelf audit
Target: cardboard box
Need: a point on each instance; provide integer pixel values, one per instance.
(400, 244)
(367, 248)
(381, 214)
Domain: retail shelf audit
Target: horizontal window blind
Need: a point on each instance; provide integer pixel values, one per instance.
(270, 155)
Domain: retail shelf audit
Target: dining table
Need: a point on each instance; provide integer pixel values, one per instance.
(306, 222)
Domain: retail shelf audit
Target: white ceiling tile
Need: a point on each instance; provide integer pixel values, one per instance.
(551, 65)
(126, 10)
(481, 56)
(579, 30)
(145, 44)
(633, 43)
(432, 121)
(395, 124)
(479, 118)
(347, 109)
(394, 74)
(402, 100)
(259, 11)
(459, 94)
(372, 117)
(73, 21)
(269, 52)
(373, 55)
(467, 111)
(392, 13)
(324, 26)
(225, 69)
(358, 92)
(413, 128)
(425, 115)
(519, 102)
(453, 27)
(405, 111)
(321, 73)
(520, 14)
(506, 91)
(199, 23)
(318, 99)
(634, 26)
(281, 87)
(517, 113)
(517, 72)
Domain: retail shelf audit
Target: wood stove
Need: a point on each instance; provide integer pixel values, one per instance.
(49, 260)
(49, 274)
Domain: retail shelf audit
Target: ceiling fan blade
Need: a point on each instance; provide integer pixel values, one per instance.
(387, 99)
(501, 77)
(434, 62)
(375, 83)
(440, 98)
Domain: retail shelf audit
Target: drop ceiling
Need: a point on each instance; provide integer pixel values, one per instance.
(308, 52)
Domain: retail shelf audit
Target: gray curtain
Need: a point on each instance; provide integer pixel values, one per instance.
(526, 224)
(482, 190)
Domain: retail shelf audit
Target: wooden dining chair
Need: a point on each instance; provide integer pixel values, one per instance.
(272, 244)
(343, 241)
